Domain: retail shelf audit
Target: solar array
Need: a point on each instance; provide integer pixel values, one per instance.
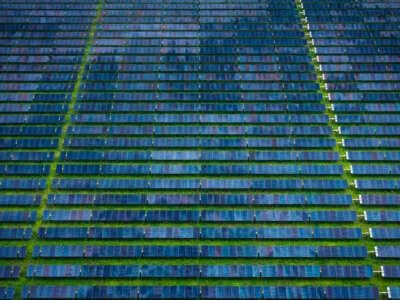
(208, 149)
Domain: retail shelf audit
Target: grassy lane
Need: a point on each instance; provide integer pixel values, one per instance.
(366, 241)
(23, 280)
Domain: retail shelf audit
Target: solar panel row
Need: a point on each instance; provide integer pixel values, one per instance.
(188, 155)
(206, 98)
(195, 184)
(205, 292)
(200, 199)
(193, 169)
(197, 271)
(262, 233)
(196, 216)
(209, 251)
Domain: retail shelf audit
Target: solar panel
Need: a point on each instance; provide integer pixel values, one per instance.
(293, 292)
(9, 272)
(353, 292)
(288, 251)
(379, 199)
(332, 216)
(7, 292)
(337, 233)
(342, 251)
(12, 252)
(171, 233)
(387, 251)
(346, 272)
(393, 292)
(230, 271)
(37, 292)
(382, 216)
(76, 251)
(285, 233)
(229, 292)
(15, 233)
(229, 251)
(98, 199)
(390, 271)
(171, 251)
(104, 292)
(290, 271)
(381, 233)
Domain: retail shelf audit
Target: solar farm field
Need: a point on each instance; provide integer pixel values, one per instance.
(200, 149)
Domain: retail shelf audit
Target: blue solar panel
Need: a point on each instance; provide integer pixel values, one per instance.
(394, 292)
(12, 252)
(346, 272)
(384, 233)
(22, 184)
(290, 271)
(231, 292)
(53, 271)
(228, 233)
(230, 271)
(180, 271)
(169, 292)
(390, 271)
(380, 200)
(226, 199)
(374, 170)
(15, 233)
(372, 156)
(43, 292)
(171, 251)
(173, 199)
(293, 292)
(288, 251)
(7, 293)
(279, 199)
(98, 199)
(63, 233)
(281, 216)
(171, 233)
(172, 216)
(87, 251)
(227, 215)
(109, 271)
(352, 292)
(17, 216)
(377, 184)
(105, 292)
(382, 216)
(337, 233)
(9, 272)
(387, 251)
(342, 251)
(371, 142)
(292, 233)
(229, 251)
